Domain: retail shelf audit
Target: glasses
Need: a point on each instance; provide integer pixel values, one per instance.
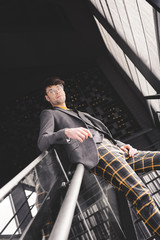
(58, 88)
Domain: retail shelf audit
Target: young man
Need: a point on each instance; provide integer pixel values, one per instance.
(88, 141)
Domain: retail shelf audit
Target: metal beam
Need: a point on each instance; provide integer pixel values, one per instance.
(156, 96)
(155, 4)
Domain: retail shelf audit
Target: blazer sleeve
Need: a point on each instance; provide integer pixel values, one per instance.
(119, 143)
(47, 134)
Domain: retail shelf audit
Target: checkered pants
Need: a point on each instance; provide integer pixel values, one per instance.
(120, 170)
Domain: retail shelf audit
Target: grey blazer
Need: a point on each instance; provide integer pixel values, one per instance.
(52, 132)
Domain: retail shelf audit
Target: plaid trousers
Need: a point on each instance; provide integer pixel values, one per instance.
(119, 169)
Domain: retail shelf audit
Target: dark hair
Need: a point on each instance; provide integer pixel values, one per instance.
(52, 81)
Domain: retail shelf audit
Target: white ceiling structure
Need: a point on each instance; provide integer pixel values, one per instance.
(135, 23)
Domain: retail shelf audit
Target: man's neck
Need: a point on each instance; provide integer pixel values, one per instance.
(65, 108)
(61, 106)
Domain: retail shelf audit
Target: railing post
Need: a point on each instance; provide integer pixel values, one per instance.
(63, 223)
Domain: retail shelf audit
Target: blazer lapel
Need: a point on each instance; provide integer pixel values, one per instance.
(78, 115)
(69, 112)
(84, 118)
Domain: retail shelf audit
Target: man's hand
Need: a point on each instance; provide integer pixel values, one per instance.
(79, 133)
(129, 149)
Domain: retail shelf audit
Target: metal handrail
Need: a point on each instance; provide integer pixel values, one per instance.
(63, 223)
(78, 205)
(4, 191)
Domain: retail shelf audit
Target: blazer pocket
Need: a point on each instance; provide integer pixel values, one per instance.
(74, 144)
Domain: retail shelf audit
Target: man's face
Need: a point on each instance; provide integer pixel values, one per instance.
(55, 95)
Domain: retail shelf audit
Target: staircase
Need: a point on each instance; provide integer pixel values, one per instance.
(78, 204)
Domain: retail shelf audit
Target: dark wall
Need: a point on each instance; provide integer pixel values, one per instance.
(37, 36)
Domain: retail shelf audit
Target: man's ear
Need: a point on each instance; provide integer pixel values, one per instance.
(47, 98)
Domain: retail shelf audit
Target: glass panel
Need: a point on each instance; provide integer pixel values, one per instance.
(6, 214)
(146, 12)
(114, 49)
(108, 15)
(32, 201)
(126, 34)
(137, 30)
